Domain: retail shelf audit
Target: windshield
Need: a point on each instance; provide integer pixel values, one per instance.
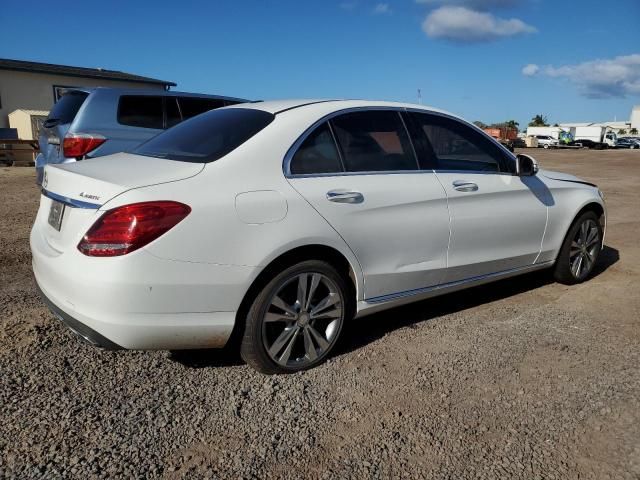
(207, 137)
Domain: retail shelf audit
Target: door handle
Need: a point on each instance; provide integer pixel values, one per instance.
(341, 196)
(464, 186)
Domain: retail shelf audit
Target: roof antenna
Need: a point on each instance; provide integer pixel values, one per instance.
(420, 96)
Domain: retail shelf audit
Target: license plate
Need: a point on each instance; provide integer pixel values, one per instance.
(55, 214)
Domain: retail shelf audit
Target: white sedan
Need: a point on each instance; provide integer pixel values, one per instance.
(278, 222)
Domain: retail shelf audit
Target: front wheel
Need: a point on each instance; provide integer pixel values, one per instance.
(296, 319)
(580, 250)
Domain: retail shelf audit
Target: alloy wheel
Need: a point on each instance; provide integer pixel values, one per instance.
(584, 249)
(303, 320)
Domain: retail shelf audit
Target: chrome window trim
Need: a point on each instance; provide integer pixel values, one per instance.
(70, 201)
(286, 163)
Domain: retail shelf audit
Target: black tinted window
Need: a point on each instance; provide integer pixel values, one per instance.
(191, 106)
(172, 112)
(207, 137)
(66, 108)
(140, 111)
(373, 141)
(317, 154)
(456, 146)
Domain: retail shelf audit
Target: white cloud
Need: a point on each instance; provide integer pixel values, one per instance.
(530, 70)
(381, 9)
(475, 4)
(461, 24)
(603, 78)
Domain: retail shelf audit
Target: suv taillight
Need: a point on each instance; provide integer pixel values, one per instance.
(130, 227)
(79, 144)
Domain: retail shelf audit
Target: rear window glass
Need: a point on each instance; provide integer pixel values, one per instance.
(192, 106)
(66, 108)
(140, 111)
(207, 137)
(317, 154)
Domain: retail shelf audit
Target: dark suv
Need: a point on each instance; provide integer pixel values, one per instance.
(92, 122)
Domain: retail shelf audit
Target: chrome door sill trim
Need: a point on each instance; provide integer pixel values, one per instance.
(375, 304)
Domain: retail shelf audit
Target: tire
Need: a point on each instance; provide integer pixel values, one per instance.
(281, 335)
(569, 270)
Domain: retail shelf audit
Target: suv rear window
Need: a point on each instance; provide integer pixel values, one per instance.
(66, 108)
(140, 111)
(192, 106)
(207, 137)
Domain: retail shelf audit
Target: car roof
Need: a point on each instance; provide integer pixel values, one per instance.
(328, 105)
(153, 91)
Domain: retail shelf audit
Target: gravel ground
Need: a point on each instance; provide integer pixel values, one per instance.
(524, 378)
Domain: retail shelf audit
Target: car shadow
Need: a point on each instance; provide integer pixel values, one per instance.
(357, 335)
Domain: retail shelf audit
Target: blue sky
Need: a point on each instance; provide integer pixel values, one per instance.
(467, 56)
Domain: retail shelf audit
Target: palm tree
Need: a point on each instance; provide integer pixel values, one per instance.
(512, 124)
(480, 124)
(633, 131)
(539, 121)
(622, 131)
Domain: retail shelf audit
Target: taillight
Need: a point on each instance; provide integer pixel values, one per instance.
(130, 227)
(79, 144)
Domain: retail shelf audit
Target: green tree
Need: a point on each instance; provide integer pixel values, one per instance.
(480, 124)
(633, 131)
(622, 131)
(539, 121)
(512, 124)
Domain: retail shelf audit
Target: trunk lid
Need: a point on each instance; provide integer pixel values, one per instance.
(84, 187)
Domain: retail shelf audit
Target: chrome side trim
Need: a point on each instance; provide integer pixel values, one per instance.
(70, 201)
(383, 302)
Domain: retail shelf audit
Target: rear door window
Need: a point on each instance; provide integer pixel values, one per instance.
(373, 141)
(141, 111)
(192, 106)
(65, 109)
(317, 154)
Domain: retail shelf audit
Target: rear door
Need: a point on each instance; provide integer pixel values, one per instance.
(57, 124)
(367, 185)
(498, 219)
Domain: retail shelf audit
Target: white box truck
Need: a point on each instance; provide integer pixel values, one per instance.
(594, 137)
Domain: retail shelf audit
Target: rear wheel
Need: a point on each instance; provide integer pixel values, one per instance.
(296, 319)
(580, 250)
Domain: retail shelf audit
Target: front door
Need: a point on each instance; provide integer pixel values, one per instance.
(498, 219)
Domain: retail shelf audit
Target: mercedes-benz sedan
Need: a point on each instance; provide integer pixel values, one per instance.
(281, 221)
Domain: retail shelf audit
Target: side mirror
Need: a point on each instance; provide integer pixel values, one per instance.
(526, 165)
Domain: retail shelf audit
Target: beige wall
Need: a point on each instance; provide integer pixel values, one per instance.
(34, 91)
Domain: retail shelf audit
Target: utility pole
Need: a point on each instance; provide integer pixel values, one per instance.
(420, 96)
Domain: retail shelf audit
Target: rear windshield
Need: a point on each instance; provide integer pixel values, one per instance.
(207, 137)
(66, 108)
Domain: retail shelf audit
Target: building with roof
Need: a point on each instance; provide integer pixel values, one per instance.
(616, 126)
(37, 86)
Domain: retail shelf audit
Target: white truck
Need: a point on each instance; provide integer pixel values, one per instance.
(594, 137)
(553, 132)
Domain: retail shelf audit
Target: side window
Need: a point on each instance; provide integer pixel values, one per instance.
(456, 146)
(140, 111)
(374, 140)
(317, 154)
(192, 106)
(172, 112)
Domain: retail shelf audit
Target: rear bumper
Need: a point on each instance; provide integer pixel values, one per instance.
(140, 302)
(79, 328)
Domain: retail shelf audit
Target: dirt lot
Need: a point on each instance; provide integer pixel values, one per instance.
(523, 378)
